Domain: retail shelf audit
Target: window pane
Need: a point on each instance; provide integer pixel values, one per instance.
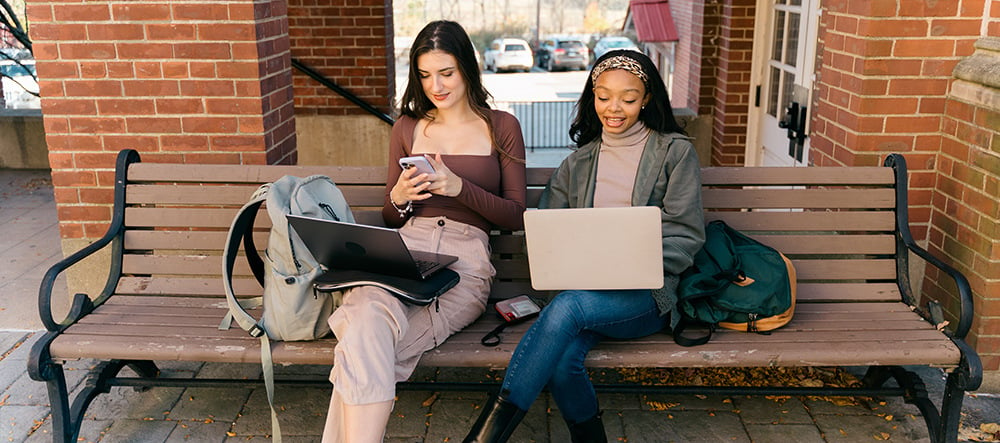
(774, 89)
(793, 39)
(779, 35)
(787, 86)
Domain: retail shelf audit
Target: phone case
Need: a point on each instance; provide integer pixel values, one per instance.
(423, 166)
(517, 308)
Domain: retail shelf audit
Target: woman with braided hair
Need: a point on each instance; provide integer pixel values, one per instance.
(631, 152)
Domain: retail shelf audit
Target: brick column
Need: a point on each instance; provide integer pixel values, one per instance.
(183, 81)
(965, 208)
(731, 92)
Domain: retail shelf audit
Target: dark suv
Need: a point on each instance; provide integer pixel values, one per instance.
(563, 53)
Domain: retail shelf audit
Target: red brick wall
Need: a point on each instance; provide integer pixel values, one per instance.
(689, 21)
(882, 84)
(349, 42)
(192, 81)
(732, 88)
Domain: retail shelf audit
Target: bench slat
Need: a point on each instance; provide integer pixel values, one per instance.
(232, 195)
(256, 174)
(181, 286)
(212, 287)
(183, 240)
(803, 321)
(799, 198)
(636, 353)
(464, 350)
(838, 176)
(829, 244)
(842, 221)
(469, 335)
(819, 269)
(514, 243)
(215, 241)
(250, 174)
(882, 269)
(847, 292)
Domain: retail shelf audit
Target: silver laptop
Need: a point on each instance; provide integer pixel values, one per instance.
(350, 246)
(595, 248)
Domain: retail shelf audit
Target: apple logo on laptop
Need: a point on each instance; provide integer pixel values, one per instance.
(354, 248)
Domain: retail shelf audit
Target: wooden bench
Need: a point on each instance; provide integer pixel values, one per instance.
(844, 228)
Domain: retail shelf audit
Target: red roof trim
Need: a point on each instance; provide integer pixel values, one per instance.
(653, 21)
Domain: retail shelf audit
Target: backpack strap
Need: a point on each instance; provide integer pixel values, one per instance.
(680, 339)
(242, 228)
(253, 257)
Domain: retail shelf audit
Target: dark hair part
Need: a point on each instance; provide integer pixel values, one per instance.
(657, 115)
(447, 36)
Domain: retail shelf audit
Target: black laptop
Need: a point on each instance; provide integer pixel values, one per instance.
(350, 246)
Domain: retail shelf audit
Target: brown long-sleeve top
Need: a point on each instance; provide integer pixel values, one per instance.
(493, 186)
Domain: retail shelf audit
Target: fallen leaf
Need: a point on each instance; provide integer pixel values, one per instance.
(430, 400)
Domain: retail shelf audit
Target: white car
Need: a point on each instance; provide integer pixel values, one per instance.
(508, 54)
(611, 43)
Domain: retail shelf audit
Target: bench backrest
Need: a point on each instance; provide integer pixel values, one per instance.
(836, 224)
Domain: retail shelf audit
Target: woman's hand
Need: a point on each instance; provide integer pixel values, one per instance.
(411, 186)
(444, 181)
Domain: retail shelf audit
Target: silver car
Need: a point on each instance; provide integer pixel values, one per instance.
(508, 54)
(563, 53)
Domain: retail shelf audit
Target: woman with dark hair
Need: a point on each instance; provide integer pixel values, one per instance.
(631, 153)
(478, 182)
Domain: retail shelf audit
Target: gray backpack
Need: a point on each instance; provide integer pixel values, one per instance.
(293, 309)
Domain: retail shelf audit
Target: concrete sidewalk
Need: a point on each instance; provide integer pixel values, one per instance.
(30, 243)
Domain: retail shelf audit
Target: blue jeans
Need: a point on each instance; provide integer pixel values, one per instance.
(552, 351)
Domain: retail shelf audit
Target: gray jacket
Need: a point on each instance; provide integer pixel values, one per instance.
(669, 176)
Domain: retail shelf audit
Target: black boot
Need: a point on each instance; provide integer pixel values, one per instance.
(496, 422)
(590, 430)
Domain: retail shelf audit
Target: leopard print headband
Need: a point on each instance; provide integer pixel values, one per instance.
(619, 62)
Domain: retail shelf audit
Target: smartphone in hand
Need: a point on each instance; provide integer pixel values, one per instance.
(418, 161)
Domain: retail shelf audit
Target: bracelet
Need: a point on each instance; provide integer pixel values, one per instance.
(402, 211)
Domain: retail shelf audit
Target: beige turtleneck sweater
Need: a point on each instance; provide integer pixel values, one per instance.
(617, 164)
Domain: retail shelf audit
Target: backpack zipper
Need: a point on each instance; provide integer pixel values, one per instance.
(329, 210)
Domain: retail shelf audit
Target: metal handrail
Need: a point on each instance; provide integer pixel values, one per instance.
(316, 75)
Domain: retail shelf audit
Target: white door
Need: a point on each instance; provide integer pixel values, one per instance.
(782, 76)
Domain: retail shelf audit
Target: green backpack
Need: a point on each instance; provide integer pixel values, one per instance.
(736, 283)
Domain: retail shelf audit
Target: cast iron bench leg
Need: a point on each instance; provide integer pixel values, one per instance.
(916, 394)
(66, 418)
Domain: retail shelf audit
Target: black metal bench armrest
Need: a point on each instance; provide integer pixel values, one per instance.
(113, 237)
(905, 244)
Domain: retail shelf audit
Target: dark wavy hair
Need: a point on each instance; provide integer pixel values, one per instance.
(449, 37)
(657, 115)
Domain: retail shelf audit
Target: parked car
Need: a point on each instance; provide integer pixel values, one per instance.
(611, 43)
(563, 53)
(508, 54)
